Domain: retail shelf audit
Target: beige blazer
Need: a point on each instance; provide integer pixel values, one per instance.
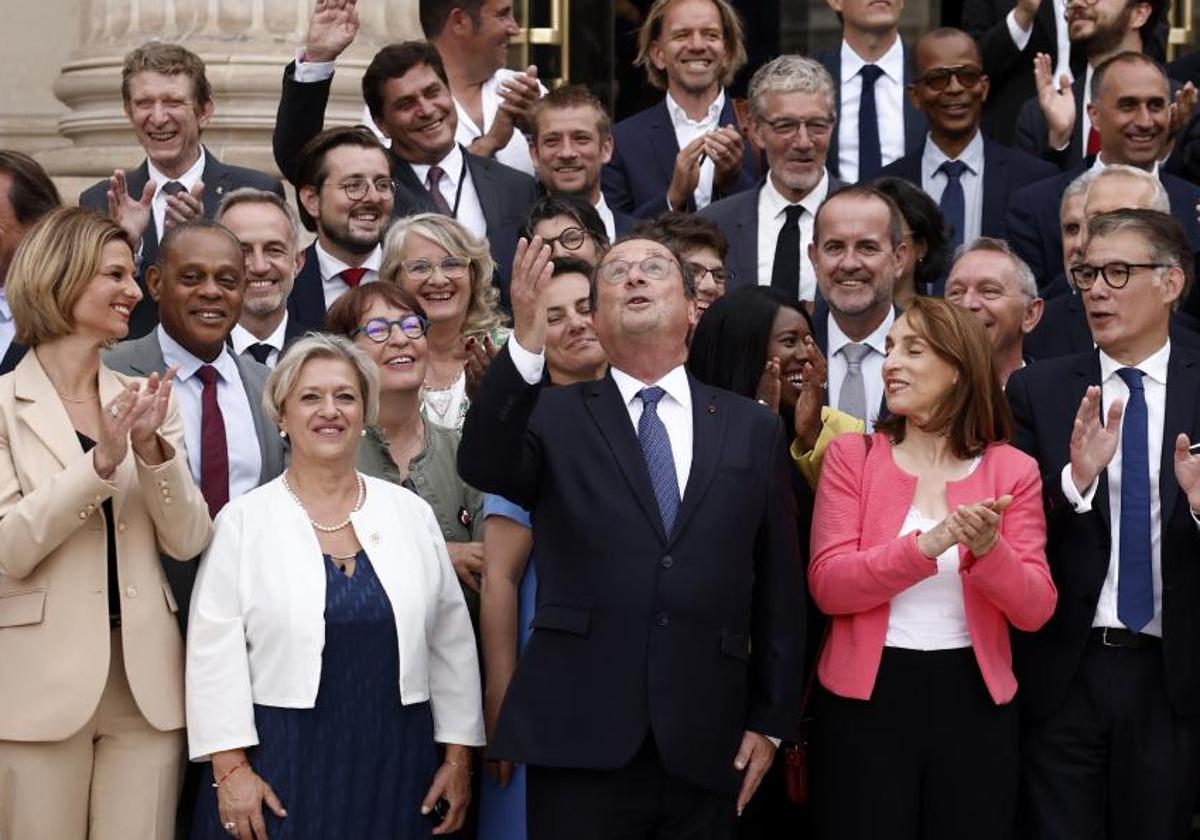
(54, 633)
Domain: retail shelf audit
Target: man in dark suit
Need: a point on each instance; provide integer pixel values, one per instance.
(972, 178)
(877, 123)
(686, 151)
(269, 231)
(169, 102)
(1110, 686)
(769, 229)
(666, 650)
(570, 141)
(1131, 114)
(26, 195)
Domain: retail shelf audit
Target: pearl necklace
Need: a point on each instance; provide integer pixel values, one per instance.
(328, 529)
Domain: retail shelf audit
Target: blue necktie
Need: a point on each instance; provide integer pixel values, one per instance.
(954, 203)
(1135, 581)
(870, 161)
(656, 449)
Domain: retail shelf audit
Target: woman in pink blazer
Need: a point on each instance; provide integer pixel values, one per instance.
(928, 543)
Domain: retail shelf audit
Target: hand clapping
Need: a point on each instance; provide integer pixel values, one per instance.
(532, 270)
(134, 417)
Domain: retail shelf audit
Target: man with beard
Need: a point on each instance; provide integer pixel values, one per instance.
(769, 229)
(684, 152)
(970, 177)
(858, 250)
(269, 231)
(345, 193)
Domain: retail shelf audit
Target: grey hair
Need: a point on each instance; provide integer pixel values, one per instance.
(1159, 200)
(250, 195)
(1077, 189)
(789, 74)
(312, 346)
(1026, 282)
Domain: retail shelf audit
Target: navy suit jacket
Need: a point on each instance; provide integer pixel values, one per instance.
(12, 356)
(1045, 398)
(306, 303)
(694, 635)
(1033, 219)
(915, 125)
(219, 179)
(635, 181)
(1005, 170)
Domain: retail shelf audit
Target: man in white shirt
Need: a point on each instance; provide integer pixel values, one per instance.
(876, 123)
(1109, 686)
(857, 251)
(269, 231)
(769, 229)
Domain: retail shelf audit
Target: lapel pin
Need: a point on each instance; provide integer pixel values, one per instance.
(712, 409)
(375, 538)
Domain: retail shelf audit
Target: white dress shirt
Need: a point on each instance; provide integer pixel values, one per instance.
(242, 339)
(1062, 41)
(871, 366)
(158, 206)
(241, 435)
(469, 211)
(606, 216)
(772, 212)
(333, 286)
(257, 622)
(516, 153)
(1113, 387)
(8, 327)
(889, 106)
(687, 130)
(934, 182)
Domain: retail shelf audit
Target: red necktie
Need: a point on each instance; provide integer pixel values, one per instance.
(214, 453)
(352, 276)
(1093, 143)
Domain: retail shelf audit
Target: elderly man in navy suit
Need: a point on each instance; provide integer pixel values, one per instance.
(667, 644)
(686, 151)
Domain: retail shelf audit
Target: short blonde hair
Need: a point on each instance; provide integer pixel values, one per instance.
(731, 29)
(52, 267)
(312, 346)
(483, 312)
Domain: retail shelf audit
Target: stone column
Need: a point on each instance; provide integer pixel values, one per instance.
(245, 45)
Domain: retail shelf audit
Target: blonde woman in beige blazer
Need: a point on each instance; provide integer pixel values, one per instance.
(94, 483)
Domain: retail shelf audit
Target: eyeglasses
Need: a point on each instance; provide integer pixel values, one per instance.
(356, 188)
(786, 129)
(1115, 274)
(719, 275)
(379, 330)
(570, 238)
(452, 268)
(936, 80)
(652, 268)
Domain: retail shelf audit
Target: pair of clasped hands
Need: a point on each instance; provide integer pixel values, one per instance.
(133, 418)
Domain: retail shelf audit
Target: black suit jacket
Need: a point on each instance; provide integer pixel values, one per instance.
(1005, 170)
(306, 303)
(219, 179)
(636, 180)
(12, 356)
(1064, 330)
(1033, 219)
(1045, 398)
(915, 125)
(694, 636)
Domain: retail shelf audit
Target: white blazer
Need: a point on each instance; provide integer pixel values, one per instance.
(257, 623)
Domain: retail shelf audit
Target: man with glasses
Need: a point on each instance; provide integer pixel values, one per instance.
(667, 646)
(769, 229)
(1110, 686)
(971, 177)
(345, 194)
(702, 246)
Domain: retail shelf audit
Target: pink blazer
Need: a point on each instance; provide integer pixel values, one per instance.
(859, 563)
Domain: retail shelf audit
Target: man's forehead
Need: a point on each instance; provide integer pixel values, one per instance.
(984, 266)
(860, 217)
(637, 249)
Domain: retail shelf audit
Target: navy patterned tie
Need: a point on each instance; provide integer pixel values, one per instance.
(954, 201)
(870, 159)
(1135, 577)
(656, 449)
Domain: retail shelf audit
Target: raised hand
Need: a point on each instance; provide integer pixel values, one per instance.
(532, 270)
(132, 214)
(806, 419)
(978, 526)
(184, 206)
(115, 420)
(1057, 102)
(331, 29)
(770, 385)
(148, 414)
(1183, 107)
(479, 356)
(1187, 471)
(519, 94)
(724, 149)
(1093, 443)
(687, 173)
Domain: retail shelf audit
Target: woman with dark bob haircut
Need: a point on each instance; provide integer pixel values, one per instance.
(925, 231)
(928, 546)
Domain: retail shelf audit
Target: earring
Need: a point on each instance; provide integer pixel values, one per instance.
(362, 433)
(283, 434)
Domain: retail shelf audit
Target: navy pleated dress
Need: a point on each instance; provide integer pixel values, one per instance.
(358, 763)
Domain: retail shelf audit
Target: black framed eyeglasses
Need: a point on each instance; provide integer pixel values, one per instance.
(356, 188)
(1115, 274)
(720, 275)
(379, 330)
(652, 268)
(938, 79)
(570, 238)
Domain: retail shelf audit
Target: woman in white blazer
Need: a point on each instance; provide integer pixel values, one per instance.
(331, 669)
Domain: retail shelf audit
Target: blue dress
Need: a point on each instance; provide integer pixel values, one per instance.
(502, 810)
(358, 763)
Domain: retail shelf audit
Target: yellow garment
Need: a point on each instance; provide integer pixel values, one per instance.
(833, 423)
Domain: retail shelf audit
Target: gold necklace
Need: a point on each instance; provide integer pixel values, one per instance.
(74, 400)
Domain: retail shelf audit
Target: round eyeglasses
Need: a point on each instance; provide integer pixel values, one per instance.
(379, 330)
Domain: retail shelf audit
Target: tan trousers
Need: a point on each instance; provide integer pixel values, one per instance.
(116, 779)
